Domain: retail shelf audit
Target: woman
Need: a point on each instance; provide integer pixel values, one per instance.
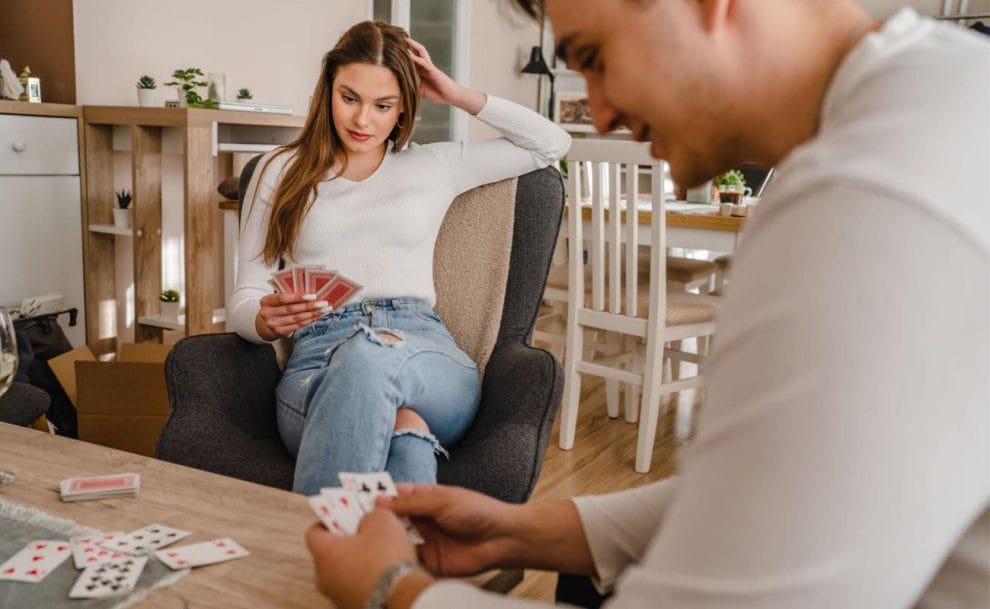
(378, 384)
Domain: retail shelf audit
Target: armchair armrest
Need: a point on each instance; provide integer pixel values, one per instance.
(502, 453)
(221, 409)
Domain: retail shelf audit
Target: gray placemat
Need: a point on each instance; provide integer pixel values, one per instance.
(21, 524)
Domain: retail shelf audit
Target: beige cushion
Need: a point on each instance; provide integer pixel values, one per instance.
(687, 270)
(471, 266)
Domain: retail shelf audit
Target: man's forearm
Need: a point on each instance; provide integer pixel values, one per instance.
(549, 536)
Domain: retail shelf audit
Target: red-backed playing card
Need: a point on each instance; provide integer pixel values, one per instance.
(338, 292)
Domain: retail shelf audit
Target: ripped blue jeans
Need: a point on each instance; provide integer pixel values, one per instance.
(349, 373)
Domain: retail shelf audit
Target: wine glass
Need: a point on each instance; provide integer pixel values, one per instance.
(8, 367)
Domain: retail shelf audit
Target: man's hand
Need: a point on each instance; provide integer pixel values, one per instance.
(466, 532)
(347, 568)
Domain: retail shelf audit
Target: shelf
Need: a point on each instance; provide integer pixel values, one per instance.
(157, 321)
(257, 148)
(110, 229)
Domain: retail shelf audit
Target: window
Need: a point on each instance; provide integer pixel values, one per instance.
(441, 25)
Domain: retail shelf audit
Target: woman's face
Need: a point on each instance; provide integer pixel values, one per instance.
(366, 105)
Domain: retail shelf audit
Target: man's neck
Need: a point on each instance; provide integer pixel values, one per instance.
(814, 58)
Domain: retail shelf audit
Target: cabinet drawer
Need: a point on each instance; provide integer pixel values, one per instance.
(38, 145)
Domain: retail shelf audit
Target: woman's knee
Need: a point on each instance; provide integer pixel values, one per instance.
(407, 418)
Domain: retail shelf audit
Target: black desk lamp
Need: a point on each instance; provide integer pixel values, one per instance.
(537, 65)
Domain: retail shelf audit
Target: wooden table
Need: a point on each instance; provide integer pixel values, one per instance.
(269, 522)
(689, 225)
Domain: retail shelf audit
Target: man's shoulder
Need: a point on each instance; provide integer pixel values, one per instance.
(909, 119)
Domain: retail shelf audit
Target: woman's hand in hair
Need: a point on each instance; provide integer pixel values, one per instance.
(440, 88)
(282, 314)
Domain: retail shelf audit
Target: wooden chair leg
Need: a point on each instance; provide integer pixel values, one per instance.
(572, 386)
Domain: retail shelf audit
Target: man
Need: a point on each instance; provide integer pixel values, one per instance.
(842, 457)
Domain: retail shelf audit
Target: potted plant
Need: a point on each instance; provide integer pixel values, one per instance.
(122, 213)
(244, 94)
(186, 84)
(146, 86)
(170, 304)
(731, 187)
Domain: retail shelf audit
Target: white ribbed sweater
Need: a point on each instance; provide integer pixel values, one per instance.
(381, 232)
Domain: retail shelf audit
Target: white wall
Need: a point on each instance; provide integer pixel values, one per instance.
(272, 48)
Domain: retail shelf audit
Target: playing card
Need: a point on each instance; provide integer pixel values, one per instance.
(338, 509)
(367, 487)
(317, 279)
(145, 540)
(198, 554)
(299, 276)
(35, 561)
(283, 281)
(87, 551)
(109, 579)
(338, 291)
(97, 487)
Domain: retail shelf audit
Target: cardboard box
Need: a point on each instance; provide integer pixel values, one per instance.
(121, 403)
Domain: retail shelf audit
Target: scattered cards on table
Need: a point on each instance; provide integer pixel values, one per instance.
(316, 280)
(112, 563)
(341, 509)
(101, 487)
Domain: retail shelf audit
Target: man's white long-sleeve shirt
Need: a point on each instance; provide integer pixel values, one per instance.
(843, 453)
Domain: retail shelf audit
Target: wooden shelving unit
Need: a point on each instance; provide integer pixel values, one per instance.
(205, 135)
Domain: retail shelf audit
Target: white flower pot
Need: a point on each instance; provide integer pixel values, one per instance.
(121, 217)
(147, 98)
(170, 310)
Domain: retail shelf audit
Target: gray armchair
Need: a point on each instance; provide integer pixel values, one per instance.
(222, 388)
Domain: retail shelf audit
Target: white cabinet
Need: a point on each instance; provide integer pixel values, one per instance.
(40, 224)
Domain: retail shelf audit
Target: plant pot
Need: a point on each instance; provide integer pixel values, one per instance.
(147, 98)
(170, 310)
(122, 217)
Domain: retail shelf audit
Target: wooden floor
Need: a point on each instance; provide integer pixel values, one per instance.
(601, 461)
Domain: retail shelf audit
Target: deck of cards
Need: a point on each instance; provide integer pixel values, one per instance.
(101, 487)
(316, 280)
(112, 563)
(341, 509)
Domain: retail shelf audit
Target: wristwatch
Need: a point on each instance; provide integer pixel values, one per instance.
(387, 582)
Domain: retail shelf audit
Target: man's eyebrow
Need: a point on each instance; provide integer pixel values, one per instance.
(355, 94)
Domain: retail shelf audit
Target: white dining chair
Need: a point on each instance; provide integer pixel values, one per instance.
(643, 326)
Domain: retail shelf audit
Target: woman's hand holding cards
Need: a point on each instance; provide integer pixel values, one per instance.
(282, 314)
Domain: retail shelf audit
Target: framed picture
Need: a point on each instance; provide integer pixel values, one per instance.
(34, 90)
(570, 111)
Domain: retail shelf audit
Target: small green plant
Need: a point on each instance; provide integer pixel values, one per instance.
(169, 296)
(123, 198)
(244, 94)
(146, 82)
(731, 178)
(185, 81)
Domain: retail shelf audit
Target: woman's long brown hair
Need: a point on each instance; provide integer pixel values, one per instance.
(318, 146)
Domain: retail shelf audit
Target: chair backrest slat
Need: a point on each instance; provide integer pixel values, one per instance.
(610, 170)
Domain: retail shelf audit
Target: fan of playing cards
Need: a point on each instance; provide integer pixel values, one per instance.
(341, 509)
(112, 563)
(317, 281)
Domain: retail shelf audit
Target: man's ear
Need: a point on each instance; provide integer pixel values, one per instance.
(714, 14)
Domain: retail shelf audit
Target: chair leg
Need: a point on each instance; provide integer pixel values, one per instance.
(650, 406)
(614, 342)
(632, 390)
(572, 386)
